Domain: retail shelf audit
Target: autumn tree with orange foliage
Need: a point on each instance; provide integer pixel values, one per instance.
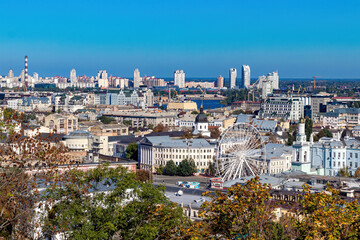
(19, 156)
(326, 215)
(243, 212)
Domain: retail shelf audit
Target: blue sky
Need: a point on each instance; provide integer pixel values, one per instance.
(205, 38)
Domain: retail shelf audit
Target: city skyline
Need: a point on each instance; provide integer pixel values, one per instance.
(205, 39)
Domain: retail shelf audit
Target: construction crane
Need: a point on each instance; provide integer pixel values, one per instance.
(301, 88)
(315, 81)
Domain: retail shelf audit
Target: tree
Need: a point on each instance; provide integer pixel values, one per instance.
(150, 126)
(170, 168)
(161, 128)
(186, 168)
(195, 112)
(243, 212)
(237, 112)
(143, 175)
(28, 117)
(20, 157)
(132, 151)
(357, 173)
(160, 169)
(272, 138)
(127, 123)
(9, 114)
(188, 134)
(326, 215)
(344, 172)
(323, 133)
(131, 210)
(211, 170)
(215, 133)
(106, 119)
(308, 128)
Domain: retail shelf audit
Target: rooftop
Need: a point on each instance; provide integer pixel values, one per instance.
(166, 141)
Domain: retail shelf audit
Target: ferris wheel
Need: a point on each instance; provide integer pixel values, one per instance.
(240, 152)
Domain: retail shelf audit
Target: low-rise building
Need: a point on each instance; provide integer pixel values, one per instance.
(61, 123)
(144, 119)
(156, 151)
(109, 130)
(78, 141)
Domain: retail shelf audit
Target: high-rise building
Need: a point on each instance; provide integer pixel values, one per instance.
(220, 82)
(73, 76)
(102, 74)
(11, 74)
(245, 74)
(103, 81)
(36, 76)
(266, 88)
(137, 78)
(232, 76)
(179, 78)
(274, 77)
(22, 75)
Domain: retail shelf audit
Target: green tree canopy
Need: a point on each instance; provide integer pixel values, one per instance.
(132, 151)
(186, 167)
(170, 168)
(106, 119)
(107, 203)
(308, 128)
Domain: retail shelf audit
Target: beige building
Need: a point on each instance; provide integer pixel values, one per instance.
(61, 123)
(78, 141)
(144, 119)
(186, 106)
(109, 130)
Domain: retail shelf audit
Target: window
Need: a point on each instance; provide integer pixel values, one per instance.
(356, 155)
(350, 155)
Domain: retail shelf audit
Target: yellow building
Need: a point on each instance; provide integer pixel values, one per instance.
(186, 106)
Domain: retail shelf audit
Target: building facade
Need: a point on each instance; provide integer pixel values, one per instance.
(158, 150)
(137, 78)
(62, 124)
(245, 76)
(179, 78)
(287, 108)
(232, 76)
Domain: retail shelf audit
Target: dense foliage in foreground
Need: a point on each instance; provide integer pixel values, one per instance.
(138, 210)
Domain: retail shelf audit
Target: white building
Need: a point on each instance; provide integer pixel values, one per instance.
(341, 118)
(179, 78)
(232, 76)
(102, 77)
(274, 77)
(266, 88)
(245, 76)
(14, 103)
(73, 76)
(201, 124)
(11, 74)
(158, 150)
(137, 78)
(287, 108)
